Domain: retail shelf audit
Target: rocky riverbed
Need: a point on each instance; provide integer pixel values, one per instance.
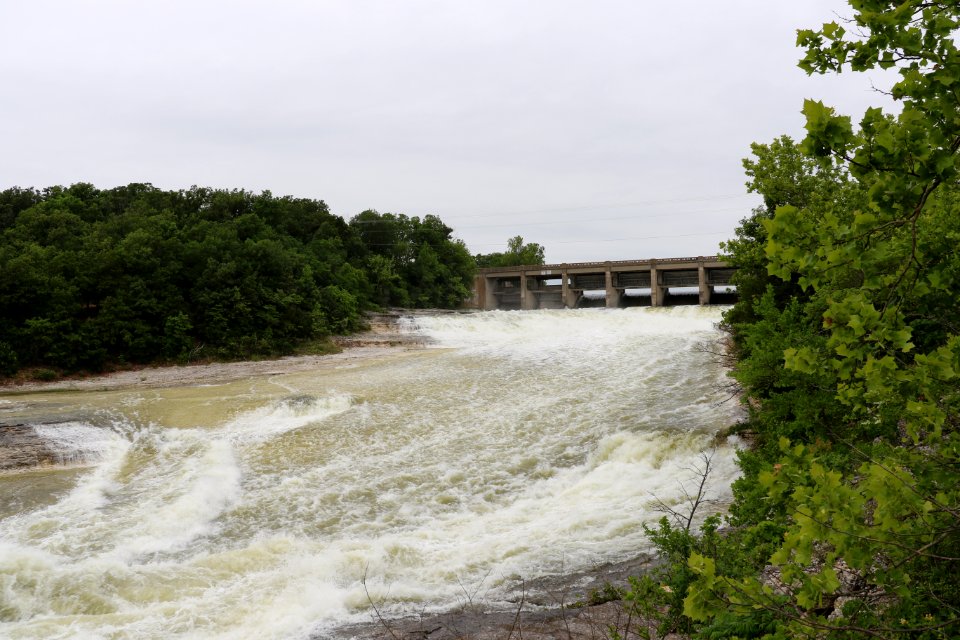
(562, 606)
(21, 447)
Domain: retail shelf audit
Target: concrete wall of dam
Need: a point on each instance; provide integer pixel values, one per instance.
(651, 282)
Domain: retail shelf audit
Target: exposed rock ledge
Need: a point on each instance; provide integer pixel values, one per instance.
(569, 623)
(545, 608)
(21, 447)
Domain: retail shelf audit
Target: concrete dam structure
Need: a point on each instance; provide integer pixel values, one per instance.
(653, 282)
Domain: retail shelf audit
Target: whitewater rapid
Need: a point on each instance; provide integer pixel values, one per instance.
(519, 444)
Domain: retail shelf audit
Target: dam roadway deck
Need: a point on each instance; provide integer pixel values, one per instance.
(654, 282)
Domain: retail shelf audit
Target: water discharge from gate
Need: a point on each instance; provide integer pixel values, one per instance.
(520, 444)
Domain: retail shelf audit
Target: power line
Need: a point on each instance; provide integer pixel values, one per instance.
(589, 241)
(615, 205)
(555, 221)
(591, 207)
(685, 235)
(592, 220)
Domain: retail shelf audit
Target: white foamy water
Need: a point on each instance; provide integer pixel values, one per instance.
(77, 442)
(525, 444)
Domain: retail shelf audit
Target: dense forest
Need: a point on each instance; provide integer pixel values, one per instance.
(136, 274)
(846, 347)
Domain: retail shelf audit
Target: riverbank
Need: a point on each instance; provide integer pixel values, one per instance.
(22, 448)
(193, 374)
(573, 606)
(384, 332)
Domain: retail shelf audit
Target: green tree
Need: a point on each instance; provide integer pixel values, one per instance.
(783, 175)
(13, 201)
(415, 262)
(136, 274)
(868, 492)
(517, 253)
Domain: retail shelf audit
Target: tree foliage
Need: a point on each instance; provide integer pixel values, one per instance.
(783, 175)
(414, 262)
(138, 274)
(848, 352)
(518, 253)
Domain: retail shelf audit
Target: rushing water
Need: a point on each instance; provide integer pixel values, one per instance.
(521, 444)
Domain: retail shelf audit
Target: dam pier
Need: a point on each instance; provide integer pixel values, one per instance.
(652, 282)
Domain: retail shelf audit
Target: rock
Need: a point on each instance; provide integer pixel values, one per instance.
(383, 330)
(544, 608)
(853, 586)
(22, 448)
(583, 623)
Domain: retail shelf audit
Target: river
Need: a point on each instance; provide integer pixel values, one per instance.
(517, 445)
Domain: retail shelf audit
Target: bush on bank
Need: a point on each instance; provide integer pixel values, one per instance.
(846, 522)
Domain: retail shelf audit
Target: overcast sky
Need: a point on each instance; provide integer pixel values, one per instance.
(601, 129)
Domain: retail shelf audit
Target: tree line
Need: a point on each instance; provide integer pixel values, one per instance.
(846, 347)
(135, 274)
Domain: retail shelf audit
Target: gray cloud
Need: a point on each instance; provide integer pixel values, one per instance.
(602, 129)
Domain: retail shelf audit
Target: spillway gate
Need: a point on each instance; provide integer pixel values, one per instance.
(653, 282)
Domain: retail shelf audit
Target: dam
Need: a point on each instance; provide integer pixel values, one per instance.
(650, 282)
